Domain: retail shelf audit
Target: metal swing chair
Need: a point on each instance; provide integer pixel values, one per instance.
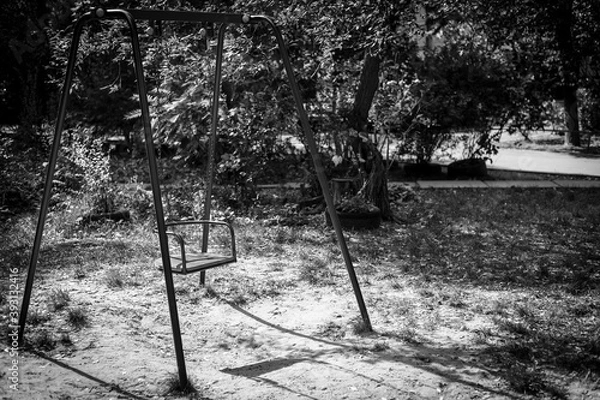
(185, 262)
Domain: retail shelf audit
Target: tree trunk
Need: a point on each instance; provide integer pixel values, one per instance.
(571, 65)
(375, 186)
(572, 136)
(369, 82)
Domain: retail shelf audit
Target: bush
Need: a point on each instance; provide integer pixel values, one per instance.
(463, 87)
(84, 169)
(590, 112)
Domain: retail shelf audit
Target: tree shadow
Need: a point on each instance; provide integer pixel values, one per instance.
(522, 238)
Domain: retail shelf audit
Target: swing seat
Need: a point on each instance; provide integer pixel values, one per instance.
(185, 261)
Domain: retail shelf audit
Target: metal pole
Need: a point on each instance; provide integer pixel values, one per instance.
(312, 147)
(160, 220)
(50, 175)
(210, 173)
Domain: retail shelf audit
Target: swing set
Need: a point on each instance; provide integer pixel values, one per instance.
(183, 261)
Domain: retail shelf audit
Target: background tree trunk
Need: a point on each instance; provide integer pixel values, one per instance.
(375, 185)
(369, 82)
(571, 65)
(572, 136)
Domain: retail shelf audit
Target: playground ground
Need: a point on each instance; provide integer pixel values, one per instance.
(260, 330)
(478, 294)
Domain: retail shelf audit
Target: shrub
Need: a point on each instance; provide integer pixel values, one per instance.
(85, 169)
(464, 87)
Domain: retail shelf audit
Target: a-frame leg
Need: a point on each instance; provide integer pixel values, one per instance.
(312, 148)
(39, 231)
(158, 207)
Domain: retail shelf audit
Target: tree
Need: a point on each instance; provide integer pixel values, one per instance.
(338, 62)
(552, 41)
(370, 35)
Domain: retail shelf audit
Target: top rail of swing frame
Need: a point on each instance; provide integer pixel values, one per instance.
(182, 16)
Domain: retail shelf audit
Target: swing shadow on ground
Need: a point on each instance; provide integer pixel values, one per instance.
(421, 352)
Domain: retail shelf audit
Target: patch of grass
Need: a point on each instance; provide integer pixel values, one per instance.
(114, 278)
(65, 339)
(359, 327)
(514, 327)
(519, 350)
(175, 388)
(278, 266)
(531, 381)
(408, 334)
(582, 280)
(284, 235)
(379, 347)
(315, 270)
(454, 298)
(182, 290)
(239, 299)
(402, 307)
(58, 300)
(42, 340)
(249, 341)
(77, 317)
(79, 271)
(209, 292)
(224, 345)
(36, 317)
(332, 330)
(500, 307)
(483, 335)
(270, 288)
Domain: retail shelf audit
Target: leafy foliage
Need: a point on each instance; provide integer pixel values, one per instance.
(552, 41)
(487, 74)
(356, 204)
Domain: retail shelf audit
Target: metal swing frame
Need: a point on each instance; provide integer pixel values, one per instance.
(224, 19)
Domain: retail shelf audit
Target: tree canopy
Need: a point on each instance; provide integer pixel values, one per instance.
(556, 42)
(417, 70)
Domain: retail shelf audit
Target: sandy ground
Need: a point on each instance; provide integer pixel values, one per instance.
(301, 344)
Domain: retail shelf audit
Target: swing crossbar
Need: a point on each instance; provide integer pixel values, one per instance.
(192, 16)
(186, 262)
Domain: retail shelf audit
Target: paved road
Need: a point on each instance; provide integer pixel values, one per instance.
(546, 162)
(533, 161)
